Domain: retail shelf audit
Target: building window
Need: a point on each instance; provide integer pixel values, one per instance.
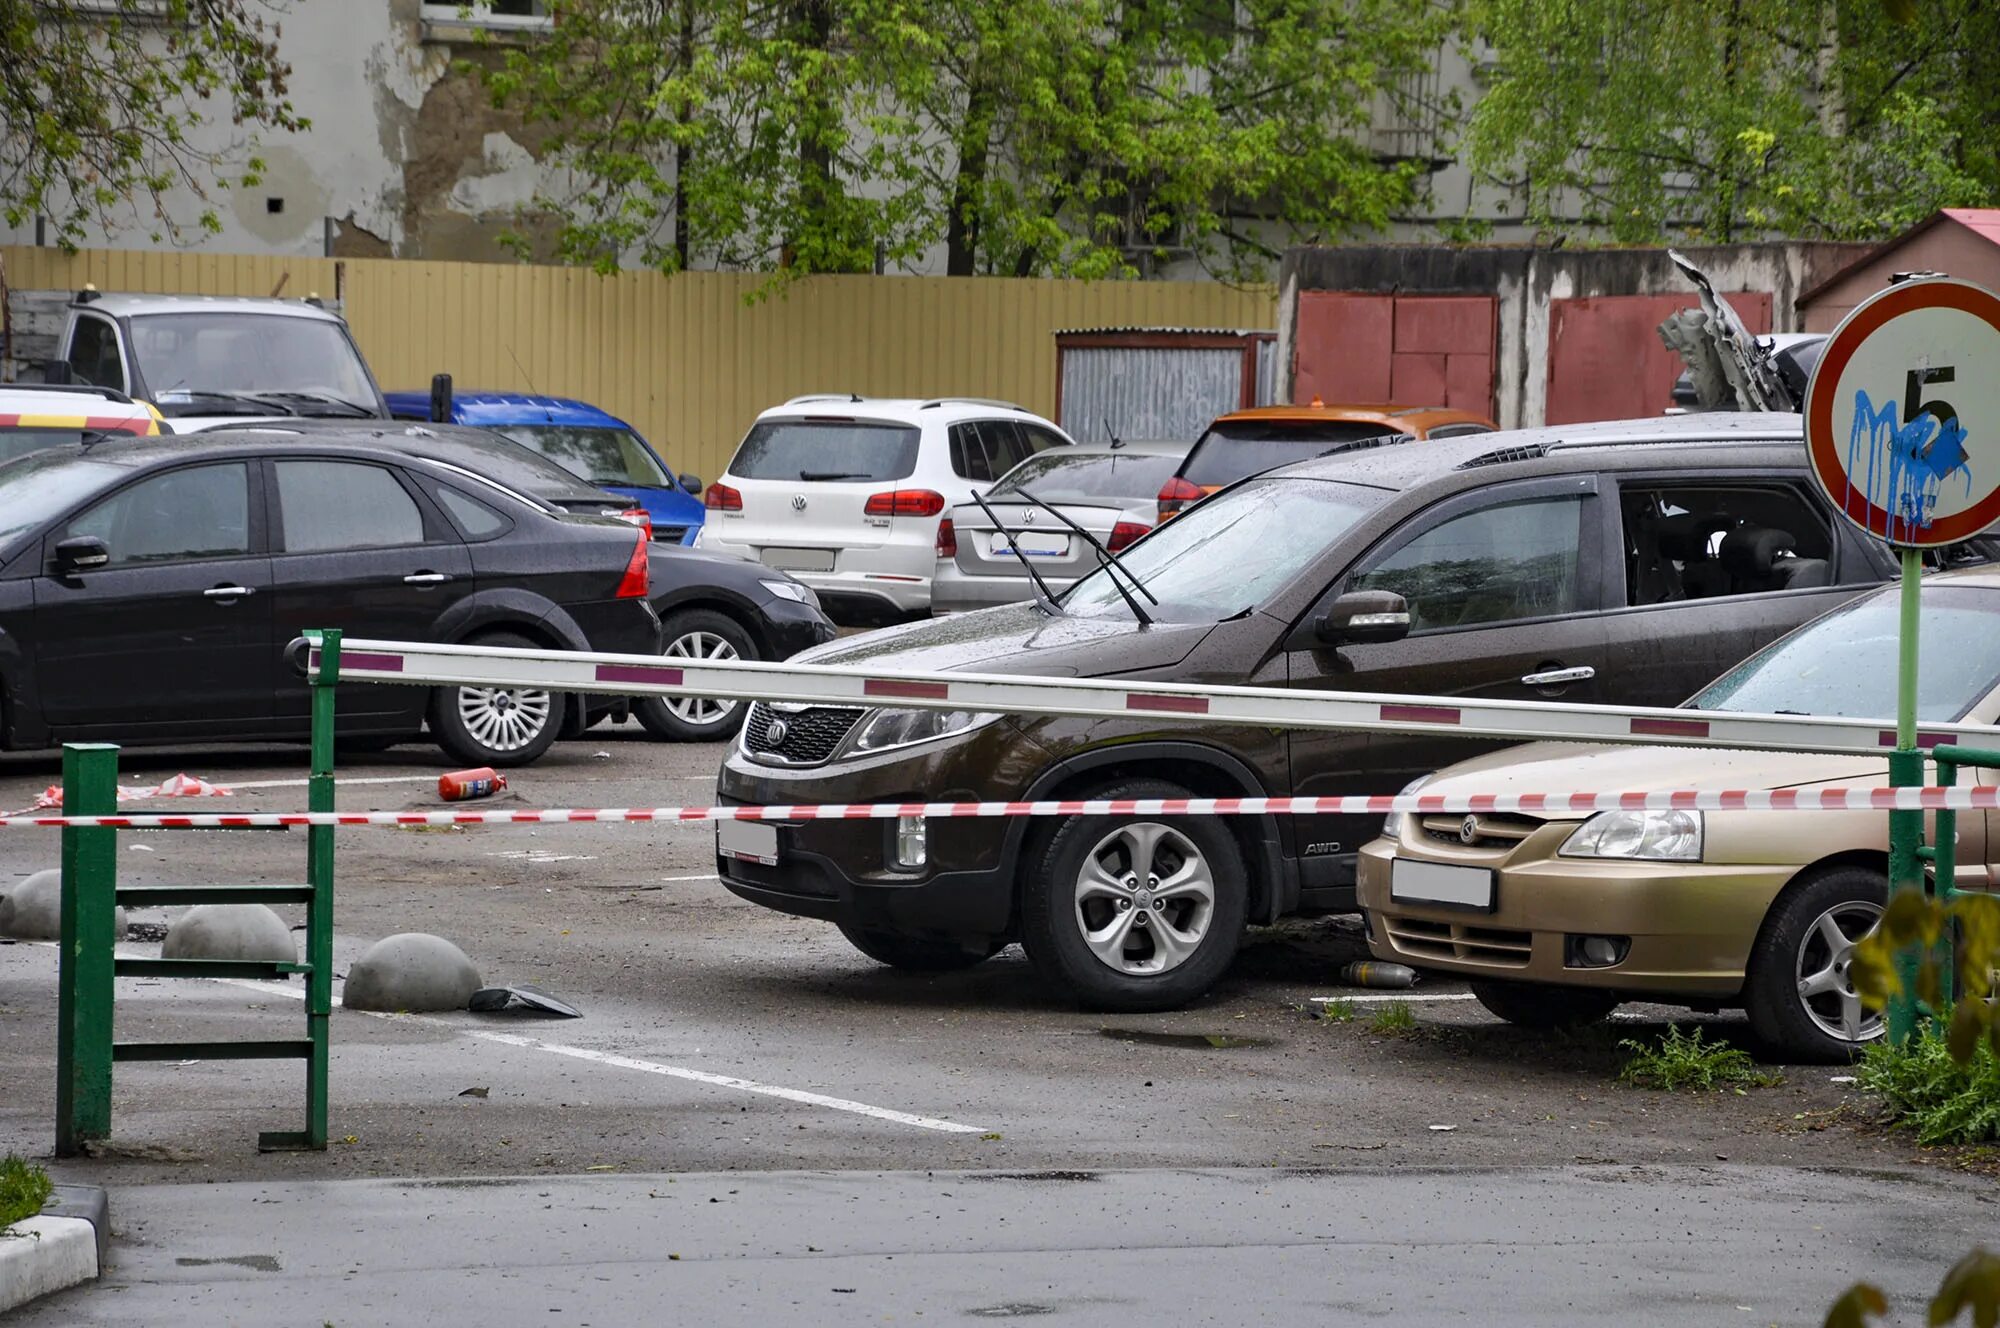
(497, 14)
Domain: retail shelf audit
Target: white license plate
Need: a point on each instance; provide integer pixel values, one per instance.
(750, 841)
(799, 560)
(1033, 543)
(1437, 883)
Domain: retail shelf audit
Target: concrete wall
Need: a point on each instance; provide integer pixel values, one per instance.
(1526, 282)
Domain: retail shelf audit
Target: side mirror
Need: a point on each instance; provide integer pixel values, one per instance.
(58, 372)
(692, 484)
(81, 553)
(1362, 617)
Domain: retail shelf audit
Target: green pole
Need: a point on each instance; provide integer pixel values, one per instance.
(319, 875)
(1906, 769)
(85, 955)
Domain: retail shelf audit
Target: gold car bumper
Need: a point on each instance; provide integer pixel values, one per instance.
(1690, 925)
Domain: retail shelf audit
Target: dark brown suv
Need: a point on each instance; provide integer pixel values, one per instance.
(1629, 563)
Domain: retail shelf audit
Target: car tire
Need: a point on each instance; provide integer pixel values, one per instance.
(502, 727)
(919, 954)
(1541, 1006)
(1797, 946)
(697, 634)
(1074, 902)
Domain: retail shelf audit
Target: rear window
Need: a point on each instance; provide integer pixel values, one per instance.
(1235, 448)
(854, 450)
(601, 456)
(1060, 475)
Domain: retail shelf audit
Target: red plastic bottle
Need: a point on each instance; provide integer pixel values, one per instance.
(461, 785)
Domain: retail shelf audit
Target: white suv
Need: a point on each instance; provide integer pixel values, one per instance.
(845, 492)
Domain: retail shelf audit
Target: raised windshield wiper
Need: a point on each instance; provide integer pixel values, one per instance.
(257, 407)
(320, 398)
(1042, 595)
(1106, 558)
(831, 475)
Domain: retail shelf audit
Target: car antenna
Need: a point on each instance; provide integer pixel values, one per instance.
(1109, 559)
(547, 414)
(1112, 434)
(1042, 595)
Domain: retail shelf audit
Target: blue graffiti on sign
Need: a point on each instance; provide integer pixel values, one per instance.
(1899, 466)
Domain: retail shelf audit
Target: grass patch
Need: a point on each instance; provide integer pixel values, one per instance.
(1339, 1010)
(1687, 1061)
(24, 1188)
(1928, 1092)
(1395, 1017)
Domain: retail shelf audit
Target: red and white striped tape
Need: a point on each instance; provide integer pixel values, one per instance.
(1932, 798)
(1179, 703)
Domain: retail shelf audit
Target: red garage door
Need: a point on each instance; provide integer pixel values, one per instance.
(1420, 350)
(1606, 359)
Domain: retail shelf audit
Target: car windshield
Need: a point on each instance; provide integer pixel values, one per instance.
(1232, 449)
(1061, 475)
(599, 455)
(183, 355)
(1845, 663)
(826, 449)
(1219, 558)
(35, 488)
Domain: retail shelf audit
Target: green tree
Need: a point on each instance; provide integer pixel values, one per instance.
(1731, 119)
(1024, 136)
(98, 101)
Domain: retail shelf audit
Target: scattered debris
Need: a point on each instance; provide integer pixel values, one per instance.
(1369, 973)
(600, 756)
(479, 1091)
(1443, 1129)
(521, 998)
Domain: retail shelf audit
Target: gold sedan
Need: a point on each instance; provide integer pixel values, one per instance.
(1556, 921)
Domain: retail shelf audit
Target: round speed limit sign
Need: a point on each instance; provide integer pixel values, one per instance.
(1902, 417)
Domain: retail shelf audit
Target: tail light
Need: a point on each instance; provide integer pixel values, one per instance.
(1175, 495)
(947, 541)
(638, 579)
(722, 498)
(637, 516)
(905, 502)
(1124, 533)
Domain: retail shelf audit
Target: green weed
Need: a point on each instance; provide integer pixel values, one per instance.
(1339, 1010)
(1395, 1017)
(24, 1188)
(1685, 1060)
(1927, 1091)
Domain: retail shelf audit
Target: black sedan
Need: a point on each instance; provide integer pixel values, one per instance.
(148, 587)
(711, 605)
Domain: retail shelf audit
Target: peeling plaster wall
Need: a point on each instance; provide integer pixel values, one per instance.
(406, 155)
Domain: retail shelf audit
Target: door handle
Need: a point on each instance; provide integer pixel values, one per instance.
(426, 579)
(1557, 677)
(228, 592)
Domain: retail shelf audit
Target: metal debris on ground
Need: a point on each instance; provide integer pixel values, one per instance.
(521, 998)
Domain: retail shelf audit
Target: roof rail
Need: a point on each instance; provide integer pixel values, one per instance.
(971, 401)
(1720, 436)
(1500, 456)
(825, 396)
(84, 389)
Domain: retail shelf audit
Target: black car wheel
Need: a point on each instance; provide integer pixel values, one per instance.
(1536, 1005)
(1136, 912)
(496, 726)
(1798, 992)
(700, 635)
(919, 954)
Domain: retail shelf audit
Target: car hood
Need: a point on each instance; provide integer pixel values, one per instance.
(1578, 767)
(1017, 639)
(1728, 366)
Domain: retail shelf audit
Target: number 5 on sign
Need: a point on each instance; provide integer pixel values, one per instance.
(1899, 460)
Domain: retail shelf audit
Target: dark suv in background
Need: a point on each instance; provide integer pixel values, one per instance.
(1626, 562)
(149, 587)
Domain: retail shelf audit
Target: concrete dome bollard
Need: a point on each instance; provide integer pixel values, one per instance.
(412, 971)
(230, 931)
(32, 910)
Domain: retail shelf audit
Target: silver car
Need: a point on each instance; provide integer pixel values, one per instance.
(1109, 489)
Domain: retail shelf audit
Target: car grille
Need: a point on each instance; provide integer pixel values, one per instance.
(810, 735)
(1451, 940)
(1495, 830)
(669, 534)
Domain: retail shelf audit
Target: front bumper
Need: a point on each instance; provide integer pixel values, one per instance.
(1691, 924)
(843, 871)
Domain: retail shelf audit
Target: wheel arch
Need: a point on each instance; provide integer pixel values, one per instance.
(714, 600)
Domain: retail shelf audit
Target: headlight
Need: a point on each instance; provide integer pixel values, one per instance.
(1393, 825)
(883, 729)
(790, 590)
(1660, 836)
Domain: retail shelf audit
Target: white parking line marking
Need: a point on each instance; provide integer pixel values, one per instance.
(704, 876)
(1404, 996)
(798, 1095)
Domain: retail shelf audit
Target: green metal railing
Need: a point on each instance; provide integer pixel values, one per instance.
(1942, 858)
(88, 963)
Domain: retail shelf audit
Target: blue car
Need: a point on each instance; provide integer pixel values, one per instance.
(596, 447)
